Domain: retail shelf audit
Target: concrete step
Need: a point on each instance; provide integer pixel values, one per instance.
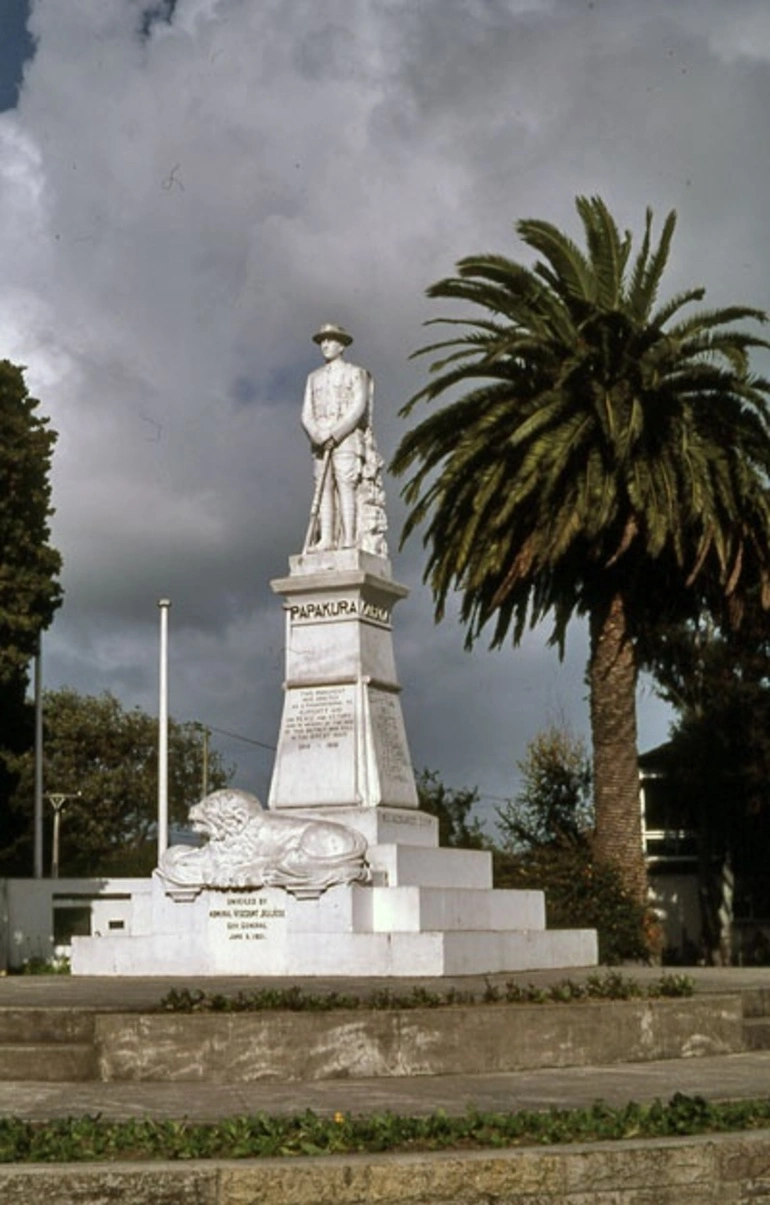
(448, 909)
(44, 1062)
(411, 865)
(234, 1048)
(756, 1032)
(22, 1025)
(756, 1002)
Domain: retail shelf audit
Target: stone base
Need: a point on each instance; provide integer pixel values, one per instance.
(427, 912)
(362, 955)
(347, 932)
(342, 741)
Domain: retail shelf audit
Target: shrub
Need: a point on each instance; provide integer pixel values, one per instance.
(580, 894)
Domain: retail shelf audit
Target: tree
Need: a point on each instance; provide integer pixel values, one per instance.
(554, 802)
(610, 459)
(29, 566)
(453, 807)
(716, 766)
(94, 746)
(546, 846)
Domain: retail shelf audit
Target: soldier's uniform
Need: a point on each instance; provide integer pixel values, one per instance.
(336, 409)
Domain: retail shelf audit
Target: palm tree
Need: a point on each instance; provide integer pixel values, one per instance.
(610, 459)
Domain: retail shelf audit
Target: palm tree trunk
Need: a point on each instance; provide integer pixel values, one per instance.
(612, 681)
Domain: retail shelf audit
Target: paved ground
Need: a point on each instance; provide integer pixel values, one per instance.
(140, 993)
(736, 1076)
(729, 1077)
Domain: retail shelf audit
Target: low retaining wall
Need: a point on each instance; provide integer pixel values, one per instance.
(720, 1169)
(239, 1047)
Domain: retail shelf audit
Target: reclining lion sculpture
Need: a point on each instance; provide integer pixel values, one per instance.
(248, 846)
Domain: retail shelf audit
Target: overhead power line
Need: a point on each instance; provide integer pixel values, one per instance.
(238, 737)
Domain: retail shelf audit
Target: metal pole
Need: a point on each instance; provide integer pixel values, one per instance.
(55, 847)
(164, 604)
(38, 808)
(57, 800)
(205, 774)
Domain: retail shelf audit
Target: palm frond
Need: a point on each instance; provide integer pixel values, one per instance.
(649, 283)
(607, 251)
(587, 440)
(570, 274)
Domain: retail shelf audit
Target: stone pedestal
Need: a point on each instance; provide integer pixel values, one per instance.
(342, 741)
(400, 930)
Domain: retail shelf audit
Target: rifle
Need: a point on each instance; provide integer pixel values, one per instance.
(315, 508)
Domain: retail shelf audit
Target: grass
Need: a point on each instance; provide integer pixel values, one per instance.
(91, 1138)
(609, 986)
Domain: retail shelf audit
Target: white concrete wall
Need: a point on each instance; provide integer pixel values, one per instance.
(27, 908)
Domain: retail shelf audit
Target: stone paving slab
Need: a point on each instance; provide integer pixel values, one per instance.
(733, 1076)
(725, 1077)
(126, 994)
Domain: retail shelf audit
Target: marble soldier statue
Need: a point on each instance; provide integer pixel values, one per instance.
(348, 508)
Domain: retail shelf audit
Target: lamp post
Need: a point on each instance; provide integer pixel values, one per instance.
(57, 800)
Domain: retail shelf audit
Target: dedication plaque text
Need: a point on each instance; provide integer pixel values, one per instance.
(390, 742)
(247, 917)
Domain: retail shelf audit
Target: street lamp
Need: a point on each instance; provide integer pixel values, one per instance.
(57, 800)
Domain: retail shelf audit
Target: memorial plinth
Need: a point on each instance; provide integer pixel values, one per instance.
(342, 741)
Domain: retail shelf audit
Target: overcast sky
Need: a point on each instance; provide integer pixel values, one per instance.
(187, 190)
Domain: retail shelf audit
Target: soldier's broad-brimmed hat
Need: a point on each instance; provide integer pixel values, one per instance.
(330, 330)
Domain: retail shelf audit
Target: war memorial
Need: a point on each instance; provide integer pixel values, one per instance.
(342, 873)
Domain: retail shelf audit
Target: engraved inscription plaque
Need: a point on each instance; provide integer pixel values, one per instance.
(320, 717)
(248, 917)
(393, 760)
(318, 747)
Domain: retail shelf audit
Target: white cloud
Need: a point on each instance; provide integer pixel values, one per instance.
(179, 212)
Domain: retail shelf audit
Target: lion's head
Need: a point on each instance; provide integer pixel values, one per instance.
(224, 814)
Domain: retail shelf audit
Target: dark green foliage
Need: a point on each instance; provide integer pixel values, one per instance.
(603, 446)
(546, 846)
(716, 765)
(261, 1136)
(294, 999)
(580, 894)
(718, 758)
(95, 746)
(29, 569)
(453, 807)
(17, 735)
(598, 453)
(554, 802)
(608, 986)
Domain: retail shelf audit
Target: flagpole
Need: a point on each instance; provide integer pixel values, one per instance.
(164, 604)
